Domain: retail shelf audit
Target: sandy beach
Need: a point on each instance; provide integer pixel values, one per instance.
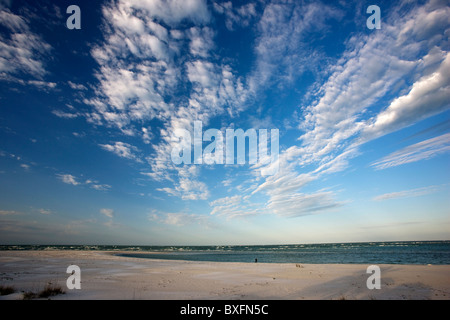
(104, 275)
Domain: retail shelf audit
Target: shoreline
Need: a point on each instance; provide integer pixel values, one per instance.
(108, 276)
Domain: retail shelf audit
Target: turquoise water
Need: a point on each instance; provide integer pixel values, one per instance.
(399, 252)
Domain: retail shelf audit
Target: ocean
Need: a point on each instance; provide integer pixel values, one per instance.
(395, 252)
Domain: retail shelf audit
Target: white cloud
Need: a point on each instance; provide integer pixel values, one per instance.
(173, 12)
(65, 115)
(286, 182)
(133, 89)
(423, 150)
(147, 86)
(298, 204)
(371, 67)
(406, 193)
(201, 41)
(282, 49)
(138, 89)
(283, 54)
(42, 84)
(45, 211)
(236, 16)
(202, 73)
(227, 182)
(179, 219)
(22, 51)
(149, 53)
(350, 90)
(95, 185)
(122, 149)
(76, 86)
(101, 187)
(13, 22)
(187, 186)
(69, 179)
(236, 206)
(147, 135)
(107, 212)
(428, 95)
(157, 174)
(8, 212)
(369, 70)
(284, 188)
(336, 122)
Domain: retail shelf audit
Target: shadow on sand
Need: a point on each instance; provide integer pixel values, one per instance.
(354, 287)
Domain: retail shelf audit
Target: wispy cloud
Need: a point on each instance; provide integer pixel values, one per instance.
(146, 73)
(69, 179)
(393, 225)
(25, 166)
(76, 86)
(138, 88)
(179, 218)
(76, 181)
(187, 187)
(371, 67)
(107, 212)
(432, 91)
(45, 211)
(174, 11)
(22, 51)
(236, 17)
(419, 151)
(282, 49)
(158, 66)
(8, 212)
(297, 204)
(123, 150)
(101, 187)
(236, 207)
(336, 122)
(43, 84)
(407, 193)
(65, 115)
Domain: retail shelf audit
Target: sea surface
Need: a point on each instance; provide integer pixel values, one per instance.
(398, 252)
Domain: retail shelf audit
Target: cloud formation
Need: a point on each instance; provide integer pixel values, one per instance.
(337, 122)
(423, 150)
(75, 181)
(157, 65)
(69, 179)
(107, 212)
(122, 149)
(22, 52)
(406, 193)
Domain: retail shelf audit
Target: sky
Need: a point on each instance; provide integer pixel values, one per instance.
(89, 116)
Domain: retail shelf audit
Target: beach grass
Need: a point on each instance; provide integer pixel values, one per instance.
(5, 290)
(49, 291)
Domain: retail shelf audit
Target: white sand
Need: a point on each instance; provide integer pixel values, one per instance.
(106, 276)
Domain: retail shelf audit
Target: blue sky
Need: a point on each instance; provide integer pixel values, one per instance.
(87, 119)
